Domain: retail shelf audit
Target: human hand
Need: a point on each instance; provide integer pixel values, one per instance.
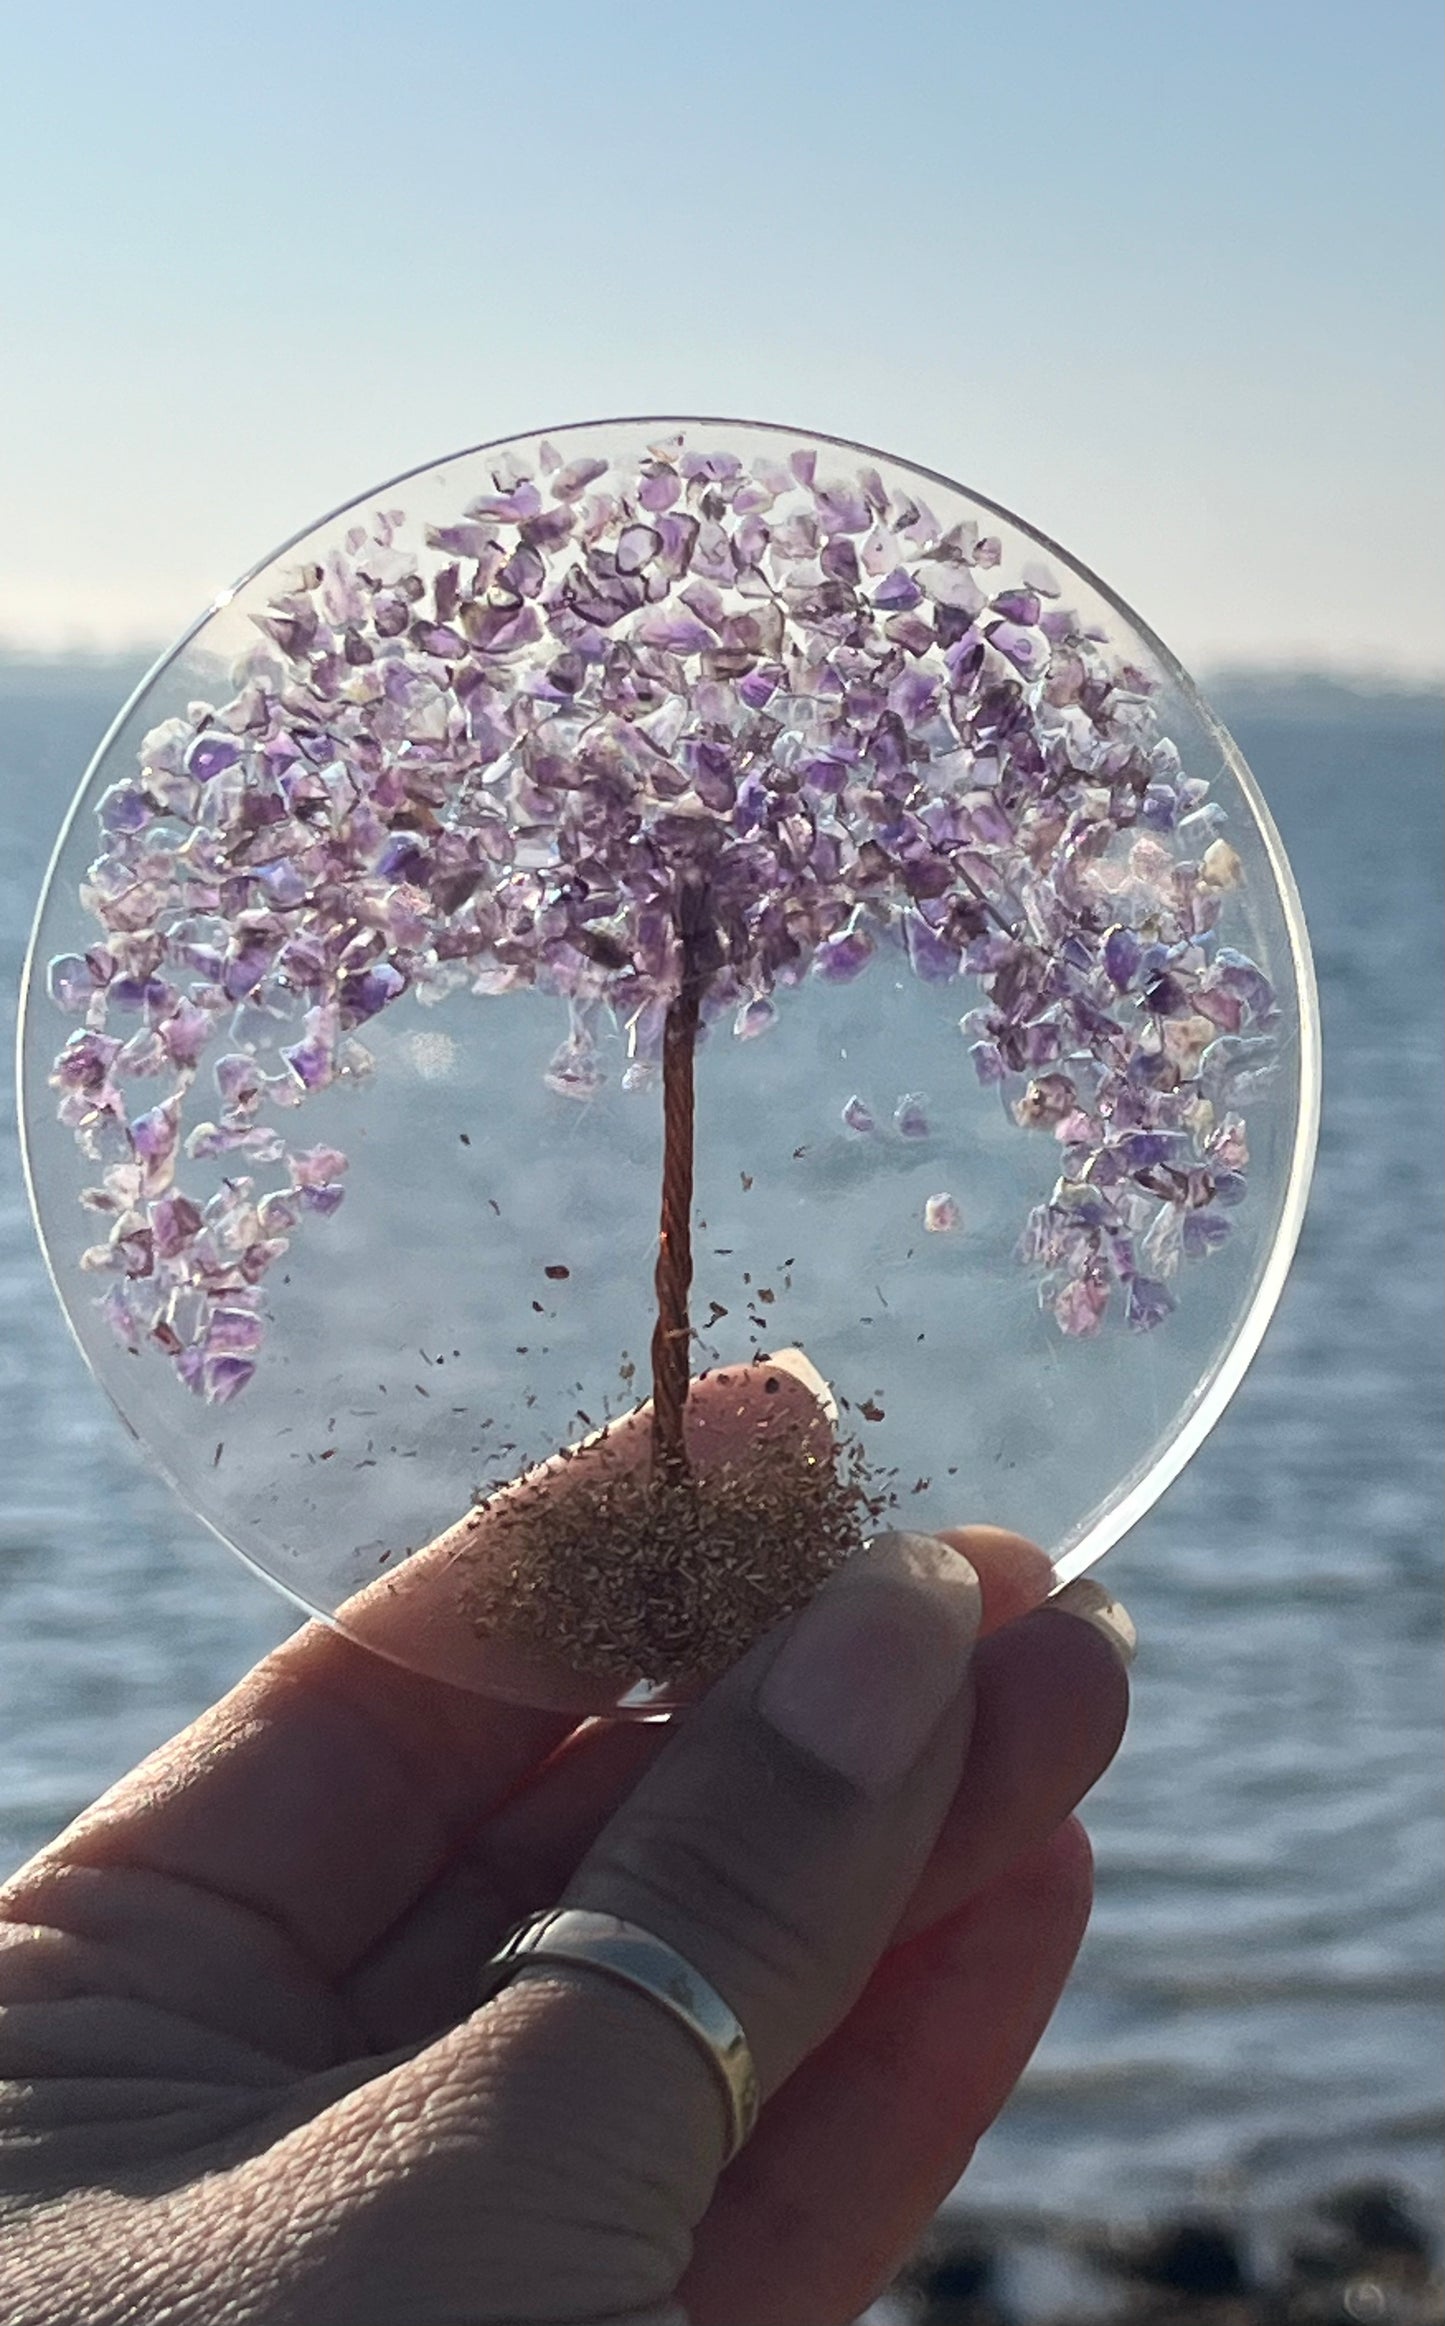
(244, 2078)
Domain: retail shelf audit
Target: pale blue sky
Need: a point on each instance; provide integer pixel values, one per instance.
(1162, 275)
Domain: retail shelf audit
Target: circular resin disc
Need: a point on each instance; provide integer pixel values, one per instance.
(342, 1094)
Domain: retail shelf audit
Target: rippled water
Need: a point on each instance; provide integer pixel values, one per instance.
(1257, 2010)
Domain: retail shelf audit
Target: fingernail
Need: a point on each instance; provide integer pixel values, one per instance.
(1091, 1603)
(870, 1666)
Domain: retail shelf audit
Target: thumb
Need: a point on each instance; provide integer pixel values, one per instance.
(548, 2159)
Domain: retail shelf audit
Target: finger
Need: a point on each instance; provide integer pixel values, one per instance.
(1014, 1574)
(319, 1796)
(1051, 1700)
(773, 1844)
(325, 1792)
(867, 2139)
(422, 1974)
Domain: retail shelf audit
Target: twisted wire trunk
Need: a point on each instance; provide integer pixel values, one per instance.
(672, 1333)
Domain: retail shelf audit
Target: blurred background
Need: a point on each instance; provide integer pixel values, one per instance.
(1166, 281)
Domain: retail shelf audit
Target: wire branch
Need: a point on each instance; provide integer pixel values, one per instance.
(672, 1333)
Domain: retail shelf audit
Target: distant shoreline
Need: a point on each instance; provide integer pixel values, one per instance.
(1354, 700)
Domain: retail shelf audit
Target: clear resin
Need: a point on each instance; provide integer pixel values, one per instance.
(680, 930)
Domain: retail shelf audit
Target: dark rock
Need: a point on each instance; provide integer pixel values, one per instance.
(1200, 2257)
(953, 2281)
(1377, 2219)
(1369, 2243)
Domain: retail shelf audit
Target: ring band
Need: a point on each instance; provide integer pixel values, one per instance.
(624, 1951)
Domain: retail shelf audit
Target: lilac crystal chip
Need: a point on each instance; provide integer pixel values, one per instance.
(311, 1061)
(363, 995)
(755, 1017)
(223, 1378)
(1080, 1305)
(70, 982)
(211, 754)
(1146, 1303)
(858, 1116)
(910, 1116)
(316, 1166)
(840, 959)
(931, 956)
(125, 808)
(1123, 952)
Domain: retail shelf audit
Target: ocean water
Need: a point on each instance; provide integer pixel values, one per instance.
(1257, 2012)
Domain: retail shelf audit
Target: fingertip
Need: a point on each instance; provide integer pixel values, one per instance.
(1094, 1673)
(1052, 1701)
(1058, 1876)
(1035, 1907)
(1109, 1617)
(740, 1410)
(1044, 1898)
(1014, 1574)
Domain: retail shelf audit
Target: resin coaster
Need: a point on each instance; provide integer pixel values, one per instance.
(670, 899)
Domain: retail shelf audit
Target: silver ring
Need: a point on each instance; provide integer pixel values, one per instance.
(626, 1952)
